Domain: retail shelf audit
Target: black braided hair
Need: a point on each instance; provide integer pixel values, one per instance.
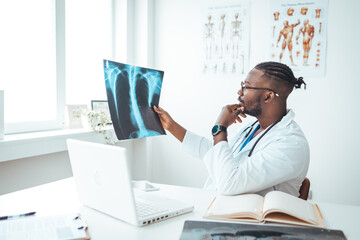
(280, 71)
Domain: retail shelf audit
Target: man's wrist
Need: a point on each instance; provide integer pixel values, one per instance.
(177, 130)
(218, 128)
(222, 124)
(222, 136)
(170, 126)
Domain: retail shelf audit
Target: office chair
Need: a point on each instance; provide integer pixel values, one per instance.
(304, 189)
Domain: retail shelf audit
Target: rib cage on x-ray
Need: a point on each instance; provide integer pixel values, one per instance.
(131, 92)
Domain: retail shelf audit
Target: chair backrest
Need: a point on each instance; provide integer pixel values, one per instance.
(304, 189)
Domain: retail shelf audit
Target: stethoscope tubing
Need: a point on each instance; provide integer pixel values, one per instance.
(246, 135)
(257, 141)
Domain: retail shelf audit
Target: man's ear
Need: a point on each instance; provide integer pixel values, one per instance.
(269, 97)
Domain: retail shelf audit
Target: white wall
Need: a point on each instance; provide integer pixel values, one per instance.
(28, 172)
(327, 111)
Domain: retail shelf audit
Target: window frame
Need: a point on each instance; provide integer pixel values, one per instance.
(58, 122)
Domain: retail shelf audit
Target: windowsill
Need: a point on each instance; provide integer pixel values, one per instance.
(15, 146)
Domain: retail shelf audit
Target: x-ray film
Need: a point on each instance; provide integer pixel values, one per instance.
(132, 92)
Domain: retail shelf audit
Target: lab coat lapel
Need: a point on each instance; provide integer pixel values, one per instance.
(287, 119)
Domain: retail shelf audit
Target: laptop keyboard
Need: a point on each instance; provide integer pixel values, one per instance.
(145, 209)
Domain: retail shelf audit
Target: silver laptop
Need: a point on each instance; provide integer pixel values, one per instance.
(104, 183)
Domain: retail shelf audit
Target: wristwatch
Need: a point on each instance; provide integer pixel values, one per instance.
(217, 129)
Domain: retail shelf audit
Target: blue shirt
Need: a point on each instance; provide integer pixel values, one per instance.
(250, 137)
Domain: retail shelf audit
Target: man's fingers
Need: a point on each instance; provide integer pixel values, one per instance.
(239, 110)
(233, 107)
(240, 113)
(156, 109)
(239, 119)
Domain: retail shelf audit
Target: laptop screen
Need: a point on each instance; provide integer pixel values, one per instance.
(132, 92)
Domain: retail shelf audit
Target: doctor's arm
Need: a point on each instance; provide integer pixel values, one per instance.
(193, 144)
(278, 162)
(169, 124)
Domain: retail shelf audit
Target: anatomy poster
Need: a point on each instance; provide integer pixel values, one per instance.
(131, 93)
(299, 35)
(226, 38)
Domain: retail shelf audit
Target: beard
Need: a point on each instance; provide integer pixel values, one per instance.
(253, 108)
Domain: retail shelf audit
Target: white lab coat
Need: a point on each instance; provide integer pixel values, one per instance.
(280, 160)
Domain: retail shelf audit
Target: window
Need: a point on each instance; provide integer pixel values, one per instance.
(40, 40)
(89, 40)
(31, 64)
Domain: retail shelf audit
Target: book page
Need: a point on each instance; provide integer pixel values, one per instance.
(277, 201)
(248, 205)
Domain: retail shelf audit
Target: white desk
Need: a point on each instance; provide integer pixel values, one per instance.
(61, 197)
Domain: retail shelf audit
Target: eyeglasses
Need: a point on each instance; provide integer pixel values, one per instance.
(243, 86)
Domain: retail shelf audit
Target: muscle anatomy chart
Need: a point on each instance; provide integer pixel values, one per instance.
(298, 35)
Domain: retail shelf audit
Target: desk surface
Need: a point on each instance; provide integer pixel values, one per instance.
(61, 197)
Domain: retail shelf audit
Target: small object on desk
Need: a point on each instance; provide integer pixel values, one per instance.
(144, 186)
(275, 206)
(201, 230)
(17, 216)
(58, 227)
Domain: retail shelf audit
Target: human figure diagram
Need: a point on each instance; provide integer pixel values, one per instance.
(222, 34)
(209, 37)
(287, 33)
(307, 32)
(235, 36)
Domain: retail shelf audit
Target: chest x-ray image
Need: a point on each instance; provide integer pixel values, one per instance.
(132, 92)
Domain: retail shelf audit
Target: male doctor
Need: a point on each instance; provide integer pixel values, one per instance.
(269, 154)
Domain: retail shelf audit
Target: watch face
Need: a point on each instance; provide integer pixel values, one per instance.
(215, 129)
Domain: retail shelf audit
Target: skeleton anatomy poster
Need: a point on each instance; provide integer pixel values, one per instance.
(226, 38)
(299, 35)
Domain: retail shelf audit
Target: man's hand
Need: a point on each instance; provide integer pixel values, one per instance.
(230, 114)
(165, 118)
(169, 124)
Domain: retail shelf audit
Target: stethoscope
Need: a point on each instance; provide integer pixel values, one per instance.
(248, 133)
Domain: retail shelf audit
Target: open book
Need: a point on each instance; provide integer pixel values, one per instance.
(276, 206)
